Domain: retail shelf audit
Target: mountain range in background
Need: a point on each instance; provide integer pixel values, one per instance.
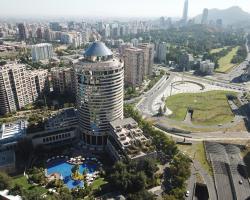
(229, 16)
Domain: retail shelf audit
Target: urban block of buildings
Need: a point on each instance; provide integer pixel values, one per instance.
(20, 87)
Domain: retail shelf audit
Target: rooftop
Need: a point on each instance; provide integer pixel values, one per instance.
(130, 137)
(42, 45)
(98, 49)
(12, 131)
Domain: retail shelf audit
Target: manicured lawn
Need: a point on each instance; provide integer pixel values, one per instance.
(21, 180)
(98, 183)
(197, 152)
(225, 62)
(217, 50)
(210, 108)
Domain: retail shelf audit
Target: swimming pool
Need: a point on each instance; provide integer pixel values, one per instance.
(63, 168)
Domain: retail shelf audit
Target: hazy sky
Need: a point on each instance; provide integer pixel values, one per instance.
(112, 8)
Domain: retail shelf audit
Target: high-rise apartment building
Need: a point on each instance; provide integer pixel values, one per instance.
(99, 93)
(19, 87)
(133, 66)
(148, 62)
(38, 83)
(161, 52)
(43, 51)
(204, 19)
(63, 80)
(22, 31)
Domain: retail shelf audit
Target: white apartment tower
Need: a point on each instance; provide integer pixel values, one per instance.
(43, 51)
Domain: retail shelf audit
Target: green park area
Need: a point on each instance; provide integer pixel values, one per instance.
(209, 108)
(217, 50)
(225, 62)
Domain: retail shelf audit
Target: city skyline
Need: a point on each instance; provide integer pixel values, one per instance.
(95, 8)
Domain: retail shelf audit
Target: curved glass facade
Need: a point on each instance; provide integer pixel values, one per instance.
(99, 97)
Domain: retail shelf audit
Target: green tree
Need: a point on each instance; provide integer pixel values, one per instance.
(75, 169)
(5, 181)
(16, 190)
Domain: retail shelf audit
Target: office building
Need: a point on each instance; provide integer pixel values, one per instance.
(43, 51)
(204, 19)
(99, 93)
(133, 66)
(148, 58)
(63, 80)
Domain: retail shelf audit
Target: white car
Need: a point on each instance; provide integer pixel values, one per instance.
(187, 193)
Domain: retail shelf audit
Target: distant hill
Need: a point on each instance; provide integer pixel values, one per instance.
(232, 15)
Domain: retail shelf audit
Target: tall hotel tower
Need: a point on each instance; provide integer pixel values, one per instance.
(100, 80)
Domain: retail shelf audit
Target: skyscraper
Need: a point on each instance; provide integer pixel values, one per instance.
(99, 97)
(22, 32)
(185, 12)
(204, 19)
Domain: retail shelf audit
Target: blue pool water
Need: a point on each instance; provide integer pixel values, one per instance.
(63, 168)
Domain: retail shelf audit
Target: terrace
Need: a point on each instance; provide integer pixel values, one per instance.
(128, 138)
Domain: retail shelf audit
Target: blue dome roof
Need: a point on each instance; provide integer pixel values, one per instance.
(98, 49)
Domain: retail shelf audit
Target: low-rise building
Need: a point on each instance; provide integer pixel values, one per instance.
(59, 129)
(11, 133)
(127, 141)
(64, 118)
